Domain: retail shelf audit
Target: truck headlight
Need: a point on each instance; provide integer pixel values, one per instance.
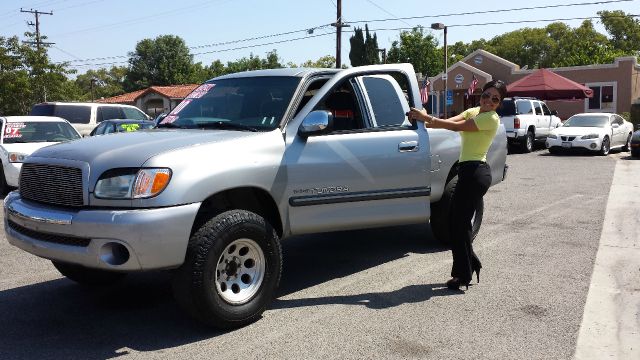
(16, 157)
(590, 136)
(132, 183)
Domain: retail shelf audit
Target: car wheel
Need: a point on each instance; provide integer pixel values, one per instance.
(635, 153)
(604, 149)
(231, 270)
(527, 146)
(554, 151)
(627, 145)
(441, 215)
(87, 276)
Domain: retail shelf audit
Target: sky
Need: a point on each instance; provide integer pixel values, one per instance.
(92, 34)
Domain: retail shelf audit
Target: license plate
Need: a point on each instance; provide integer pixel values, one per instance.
(566, 144)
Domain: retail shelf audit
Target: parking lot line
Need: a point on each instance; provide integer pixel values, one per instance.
(610, 326)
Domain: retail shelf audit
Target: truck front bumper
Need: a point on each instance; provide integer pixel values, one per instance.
(112, 239)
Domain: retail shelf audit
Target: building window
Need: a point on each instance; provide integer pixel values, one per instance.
(604, 97)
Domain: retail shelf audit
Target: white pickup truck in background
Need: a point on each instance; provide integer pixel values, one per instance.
(527, 120)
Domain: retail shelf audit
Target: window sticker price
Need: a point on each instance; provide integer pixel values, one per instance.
(13, 130)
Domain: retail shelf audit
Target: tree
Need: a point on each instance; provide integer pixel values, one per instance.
(28, 77)
(357, 54)
(327, 61)
(370, 48)
(165, 60)
(102, 83)
(624, 31)
(419, 49)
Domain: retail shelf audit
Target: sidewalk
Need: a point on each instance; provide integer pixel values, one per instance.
(611, 322)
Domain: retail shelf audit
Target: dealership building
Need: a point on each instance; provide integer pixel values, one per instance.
(615, 86)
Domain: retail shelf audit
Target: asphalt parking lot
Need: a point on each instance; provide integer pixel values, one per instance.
(361, 294)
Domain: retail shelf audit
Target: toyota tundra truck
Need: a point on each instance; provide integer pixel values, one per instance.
(246, 160)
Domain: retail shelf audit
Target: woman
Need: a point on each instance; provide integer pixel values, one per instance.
(477, 127)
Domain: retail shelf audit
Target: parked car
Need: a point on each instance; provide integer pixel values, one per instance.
(21, 136)
(599, 132)
(246, 160)
(527, 120)
(159, 118)
(85, 116)
(635, 144)
(121, 125)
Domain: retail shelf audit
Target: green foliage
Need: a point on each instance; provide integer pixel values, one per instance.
(101, 83)
(327, 61)
(419, 49)
(28, 77)
(364, 48)
(164, 60)
(624, 31)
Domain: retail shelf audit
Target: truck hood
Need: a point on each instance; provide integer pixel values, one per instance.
(134, 148)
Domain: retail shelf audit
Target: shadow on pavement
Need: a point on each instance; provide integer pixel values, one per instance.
(383, 300)
(60, 319)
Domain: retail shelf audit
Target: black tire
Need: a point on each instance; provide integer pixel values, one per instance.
(627, 145)
(198, 283)
(3, 182)
(87, 276)
(441, 215)
(527, 145)
(606, 147)
(635, 153)
(554, 151)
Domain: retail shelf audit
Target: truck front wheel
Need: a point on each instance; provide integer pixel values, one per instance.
(441, 215)
(231, 271)
(87, 276)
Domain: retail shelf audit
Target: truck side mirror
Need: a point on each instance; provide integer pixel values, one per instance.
(554, 112)
(315, 123)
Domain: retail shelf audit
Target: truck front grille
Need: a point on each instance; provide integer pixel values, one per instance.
(51, 238)
(51, 184)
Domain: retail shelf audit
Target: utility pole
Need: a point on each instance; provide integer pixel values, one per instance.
(384, 55)
(339, 25)
(37, 13)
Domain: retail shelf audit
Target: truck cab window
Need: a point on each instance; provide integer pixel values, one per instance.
(342, 103)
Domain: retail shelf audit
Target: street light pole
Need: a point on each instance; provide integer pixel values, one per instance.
(441, 26)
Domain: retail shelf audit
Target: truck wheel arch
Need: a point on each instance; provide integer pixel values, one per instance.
(252, 199)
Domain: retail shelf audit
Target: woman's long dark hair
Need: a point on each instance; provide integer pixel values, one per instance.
(498, 85)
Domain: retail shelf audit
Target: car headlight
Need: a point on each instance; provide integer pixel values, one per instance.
(132, 183)
(16, 157)
(590, 136)
(552, 136)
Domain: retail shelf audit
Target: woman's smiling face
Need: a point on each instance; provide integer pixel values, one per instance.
(490, 99)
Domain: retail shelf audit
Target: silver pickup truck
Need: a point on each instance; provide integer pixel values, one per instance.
(246, 160)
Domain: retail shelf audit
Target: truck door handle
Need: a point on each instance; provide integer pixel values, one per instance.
(408, 146)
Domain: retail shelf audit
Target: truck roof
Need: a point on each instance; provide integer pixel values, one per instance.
(297, 72)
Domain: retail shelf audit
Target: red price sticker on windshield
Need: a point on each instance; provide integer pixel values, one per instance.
(200, 91)
(12, 130)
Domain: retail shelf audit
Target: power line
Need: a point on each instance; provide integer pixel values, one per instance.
(379, 7)
(491, 11)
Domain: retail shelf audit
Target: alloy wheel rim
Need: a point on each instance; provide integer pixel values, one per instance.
(240, 271)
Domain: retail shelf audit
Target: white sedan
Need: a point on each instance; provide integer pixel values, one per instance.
(22, 135)
(599, 132)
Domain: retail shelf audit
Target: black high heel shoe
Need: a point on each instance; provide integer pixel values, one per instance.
(455, 283)
(477, 274)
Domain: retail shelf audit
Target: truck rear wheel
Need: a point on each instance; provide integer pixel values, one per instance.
(231, 271)
(527, 144)
(441, 215)
(87, 276)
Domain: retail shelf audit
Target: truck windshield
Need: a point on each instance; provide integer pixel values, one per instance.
(251, 103)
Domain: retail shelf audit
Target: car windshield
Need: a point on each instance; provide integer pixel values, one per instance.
(38, 131)
(252, 103)
(587, 121)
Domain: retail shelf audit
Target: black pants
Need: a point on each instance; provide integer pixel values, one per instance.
(474, 179)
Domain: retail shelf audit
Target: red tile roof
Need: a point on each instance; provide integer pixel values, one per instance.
(172, 92)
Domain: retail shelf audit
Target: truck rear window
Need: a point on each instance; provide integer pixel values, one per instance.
(508, 108)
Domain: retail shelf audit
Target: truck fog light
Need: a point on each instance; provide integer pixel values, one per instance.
(593, 145)
(114, 253)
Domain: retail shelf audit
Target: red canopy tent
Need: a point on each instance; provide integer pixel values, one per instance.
(547, 85)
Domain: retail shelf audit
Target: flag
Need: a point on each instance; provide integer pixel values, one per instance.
(472, 86)
(424, 91)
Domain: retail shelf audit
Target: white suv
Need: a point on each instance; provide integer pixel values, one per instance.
(527, 120)
(85, 116)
